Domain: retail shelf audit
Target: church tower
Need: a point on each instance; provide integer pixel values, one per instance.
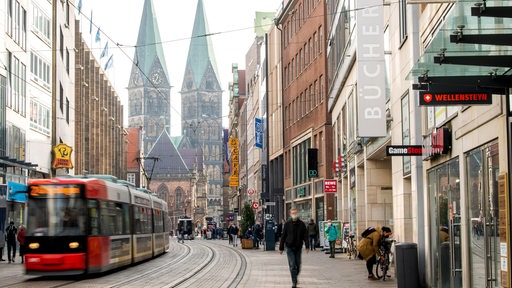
(149, 89)
(201, 108)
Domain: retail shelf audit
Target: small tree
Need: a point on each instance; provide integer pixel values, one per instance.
(247, 218)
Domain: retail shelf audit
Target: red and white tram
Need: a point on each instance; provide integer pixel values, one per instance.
(91, 225)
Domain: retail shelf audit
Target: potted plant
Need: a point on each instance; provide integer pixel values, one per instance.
(247, 221)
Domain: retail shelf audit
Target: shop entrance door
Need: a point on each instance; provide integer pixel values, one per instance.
(483, 169)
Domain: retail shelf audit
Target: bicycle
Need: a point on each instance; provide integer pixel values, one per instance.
(351, 249)
(384, 259)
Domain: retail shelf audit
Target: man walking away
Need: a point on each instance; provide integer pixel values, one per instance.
(332, 234)
(313, 234)
(294, 234)
(11, 232)
(234, 234)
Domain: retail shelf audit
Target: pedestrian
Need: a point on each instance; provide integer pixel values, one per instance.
(181, 235)
(257, 235)
(312, 233)
(2, 245)
(368, 247)
(234, 234)
(294, 234)
(230, 234)
(332, 235)
(11, 232)
(21, 240)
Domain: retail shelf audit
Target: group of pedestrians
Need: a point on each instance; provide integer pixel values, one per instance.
(11, 237)
(233, 234)
(295, 234)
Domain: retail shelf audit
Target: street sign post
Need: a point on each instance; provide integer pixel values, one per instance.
(250, 191)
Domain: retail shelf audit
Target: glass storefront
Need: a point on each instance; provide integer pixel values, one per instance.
(445, 221)
(319, 203)
(482, 168)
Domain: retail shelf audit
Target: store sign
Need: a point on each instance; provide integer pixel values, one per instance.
(330, 186)
(404, 150)
(258, 130)
(439, 142)
(233, 179)
(62, 156)
(434, 98)
(371, 71)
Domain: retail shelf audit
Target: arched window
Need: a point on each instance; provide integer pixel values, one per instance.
(162, 192)
(179, 197)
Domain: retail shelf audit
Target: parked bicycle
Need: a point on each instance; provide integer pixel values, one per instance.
(351, 246)
(384, 260)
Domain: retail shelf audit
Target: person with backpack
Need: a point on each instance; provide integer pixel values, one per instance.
(313, 234)
(368, 247)
(10, 233)
(332, 234)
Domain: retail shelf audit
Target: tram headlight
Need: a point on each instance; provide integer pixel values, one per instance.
(33, 245)
(73, 245)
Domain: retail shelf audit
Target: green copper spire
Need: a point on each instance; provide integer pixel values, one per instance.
(149, 48)
(200, 52)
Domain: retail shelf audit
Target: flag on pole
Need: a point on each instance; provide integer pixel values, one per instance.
(109, 63)
(98, 35)
(105, 51)
(79, 6)
(90, 25)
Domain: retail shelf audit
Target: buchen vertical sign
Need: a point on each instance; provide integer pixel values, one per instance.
(371, 71)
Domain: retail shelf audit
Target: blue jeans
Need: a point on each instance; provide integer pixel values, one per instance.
(294, 259)
(312, 242)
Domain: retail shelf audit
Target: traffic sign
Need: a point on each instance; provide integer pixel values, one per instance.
(233, 142)
(250, 191)
(255, 205)
(233, 183)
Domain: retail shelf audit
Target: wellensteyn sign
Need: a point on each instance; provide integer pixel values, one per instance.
(371, 112)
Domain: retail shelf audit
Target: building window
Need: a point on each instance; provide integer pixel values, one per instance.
(41, 24)
(320, 40)
(67, 13)
(321, 88)
(40, 70)
(402, 13)
(16, 98)
(316, 93)
(67, 110)
(315, 44)
(311, 52)
(306, 55)
(61, 43)
(406, 137)
(39, 117)
(16, 26)
(61, 98)
(15, 146)
(67, 61)
(3, 94)
(130, 178)
(299, 165)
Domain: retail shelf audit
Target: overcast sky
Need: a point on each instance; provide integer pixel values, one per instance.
(120, 19)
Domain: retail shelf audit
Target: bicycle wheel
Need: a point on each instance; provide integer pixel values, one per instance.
(381, 268)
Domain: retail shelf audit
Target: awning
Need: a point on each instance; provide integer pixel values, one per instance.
(11, 162)
(472, 48)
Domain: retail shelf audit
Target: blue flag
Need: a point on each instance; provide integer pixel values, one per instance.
(109, 63)
(98, 35)
(79, 6)
(105, 51)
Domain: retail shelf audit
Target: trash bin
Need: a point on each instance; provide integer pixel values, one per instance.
(407, 273)
(270, 238)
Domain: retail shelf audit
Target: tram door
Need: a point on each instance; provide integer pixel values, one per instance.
(483, 171)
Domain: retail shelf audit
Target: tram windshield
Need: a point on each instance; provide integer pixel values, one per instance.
(56, 210)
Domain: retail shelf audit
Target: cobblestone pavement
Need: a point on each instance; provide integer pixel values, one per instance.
(214, 263)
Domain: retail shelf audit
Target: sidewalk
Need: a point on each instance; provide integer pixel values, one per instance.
(270, 269)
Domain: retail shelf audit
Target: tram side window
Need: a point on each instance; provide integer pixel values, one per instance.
(92, 207)
(165, 222)
(112, 218)
(143, 220)
(159, 224)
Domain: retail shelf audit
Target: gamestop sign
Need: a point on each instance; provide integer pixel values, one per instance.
(371, 92)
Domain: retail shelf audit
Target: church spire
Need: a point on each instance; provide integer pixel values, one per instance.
(200, 53)
(149, 52)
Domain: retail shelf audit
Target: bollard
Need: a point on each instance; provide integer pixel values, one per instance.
(407, 273)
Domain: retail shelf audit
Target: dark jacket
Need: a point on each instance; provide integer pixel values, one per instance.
(312, 229)
(10, 233)
(294, 234)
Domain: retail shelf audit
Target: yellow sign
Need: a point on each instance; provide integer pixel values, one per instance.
(234, 165)
(234, 151)
(233, 142)
(53, 190)
(62, 156)
(233, 183)
(234, 158)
